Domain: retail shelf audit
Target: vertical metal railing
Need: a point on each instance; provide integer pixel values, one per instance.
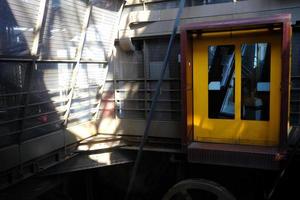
(28, 77)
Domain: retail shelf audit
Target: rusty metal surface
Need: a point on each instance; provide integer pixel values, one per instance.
(235, 155)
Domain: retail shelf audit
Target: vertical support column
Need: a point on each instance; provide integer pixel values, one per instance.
(116, 62)
(285, 81)
(77, 64)
(186, 87)
(146, 75)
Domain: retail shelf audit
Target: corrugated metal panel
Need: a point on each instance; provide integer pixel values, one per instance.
(17, 21)
(90, 79)
(63, 26)
(62, 29)
(101, 31)
(48, 98)
(34, 112)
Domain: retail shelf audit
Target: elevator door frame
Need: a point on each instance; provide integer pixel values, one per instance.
(190, 31)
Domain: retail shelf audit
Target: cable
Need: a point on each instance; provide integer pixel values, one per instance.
(154, 101)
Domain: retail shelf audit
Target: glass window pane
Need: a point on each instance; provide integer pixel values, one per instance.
(255, 81)
(221, 64)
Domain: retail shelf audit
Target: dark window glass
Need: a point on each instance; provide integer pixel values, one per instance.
(255, 81)
(221, 81)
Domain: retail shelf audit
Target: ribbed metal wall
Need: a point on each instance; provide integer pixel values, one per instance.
(17, 21)
(61, 28)
(34, 94)
(101, 30)
(87, 93)
(47, 99)
(63, 25)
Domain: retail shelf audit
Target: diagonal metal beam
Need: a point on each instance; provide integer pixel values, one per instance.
(101, 86)
(38, 27)
(77, 64)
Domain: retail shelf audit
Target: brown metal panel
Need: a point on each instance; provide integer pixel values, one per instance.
(189, 89)
(183, 51)
(161, 20)
(285, 80)
(186, 88)
(237, 23)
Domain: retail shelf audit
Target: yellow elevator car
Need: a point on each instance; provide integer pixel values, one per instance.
(236, 83)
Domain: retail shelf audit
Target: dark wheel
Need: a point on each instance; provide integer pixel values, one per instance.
(198, 189)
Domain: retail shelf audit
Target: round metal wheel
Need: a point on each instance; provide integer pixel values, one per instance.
(198, 189)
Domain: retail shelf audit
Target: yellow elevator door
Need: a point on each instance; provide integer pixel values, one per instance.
(236, 87)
